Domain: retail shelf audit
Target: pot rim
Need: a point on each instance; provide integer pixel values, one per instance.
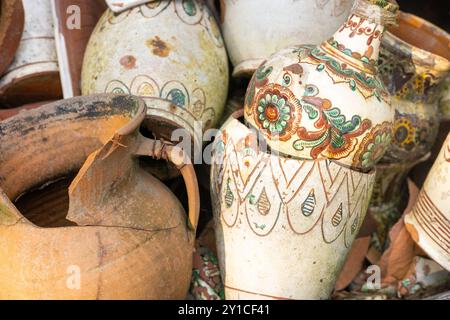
(234, 117)
(137, 115)
(420, 55)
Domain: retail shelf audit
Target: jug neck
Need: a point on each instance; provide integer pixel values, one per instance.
(358, 40)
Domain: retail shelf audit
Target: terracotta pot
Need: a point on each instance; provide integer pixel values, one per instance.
(429, 221)
(255, 29)
(283, 226)
(34, 75)
(11, 28)
(172, 50)
(128, 239)
(71, 40)
(327, 102)
(8, 113)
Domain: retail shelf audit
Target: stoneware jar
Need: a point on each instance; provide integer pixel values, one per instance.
(33, 75)
(74, 21)
(429, 221)
(255, 29)
(327, 102)
(11, 28)
(414, 60)
(170, 49)
(283, 226)
(125, 235)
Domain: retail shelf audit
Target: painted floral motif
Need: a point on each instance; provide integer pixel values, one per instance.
(337, 136)
(206, 281)
(277, 112)
(373, 146)
(367, 84)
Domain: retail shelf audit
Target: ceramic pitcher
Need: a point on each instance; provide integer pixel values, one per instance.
(11, 28)
(327, 101)
(255, 29)
(34, 74)
(429, 221)
(170, 49)
(283, 226)
(125, 235)
(414, 61)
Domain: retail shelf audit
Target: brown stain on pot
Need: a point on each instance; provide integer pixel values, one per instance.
(128, 62)
(158, 47)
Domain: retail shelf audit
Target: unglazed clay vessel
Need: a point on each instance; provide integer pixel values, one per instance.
(283, 226)
(414, 60)
(74, 21)
(126, 236)
(11, 27)
(429, 221)
(327, 102)
(255, 29)
(33, 75)
(170, 49)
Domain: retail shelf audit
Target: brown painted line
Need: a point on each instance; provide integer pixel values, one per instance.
(257, 294)
(428, 231)
(37, 38)
(28, 64)
(432, 236)
(422, 210)
(426, 214)
(431, 216)
(435, 210)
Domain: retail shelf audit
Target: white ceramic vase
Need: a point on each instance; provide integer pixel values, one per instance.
(283, 226)
(34, 73)
(429, 221)
(170, 49)
(254, 29)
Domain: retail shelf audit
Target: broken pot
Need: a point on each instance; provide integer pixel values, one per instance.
(125, 236)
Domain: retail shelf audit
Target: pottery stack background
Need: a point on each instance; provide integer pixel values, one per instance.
(329, 166)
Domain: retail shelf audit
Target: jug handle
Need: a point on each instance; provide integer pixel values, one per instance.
(165, 150)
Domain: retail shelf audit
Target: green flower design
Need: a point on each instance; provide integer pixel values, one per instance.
(375, 150)
(273, 113)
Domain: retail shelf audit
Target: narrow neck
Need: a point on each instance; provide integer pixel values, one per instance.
(360, 38)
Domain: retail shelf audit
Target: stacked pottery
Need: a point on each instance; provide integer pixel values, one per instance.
(286, 220)
(429, 221)
(169, 49)
(414, 60)
(74, 21)
(11, 28)
(255, 29)
(34, 74)
(122, 223)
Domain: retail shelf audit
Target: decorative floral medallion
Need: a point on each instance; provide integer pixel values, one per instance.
(277, 112)
(373, 146)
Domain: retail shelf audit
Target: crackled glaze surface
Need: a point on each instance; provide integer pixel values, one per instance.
(429, 221)
(283, 226)
(255, 29)
(327, 101)
(167, 49)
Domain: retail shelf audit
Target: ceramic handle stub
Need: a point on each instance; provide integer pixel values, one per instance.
(164, 150)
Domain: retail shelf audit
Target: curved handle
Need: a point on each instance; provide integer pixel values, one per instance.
(165, 150)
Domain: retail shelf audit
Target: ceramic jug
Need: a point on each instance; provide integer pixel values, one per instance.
(74, 21)
(327, 101)
(255, 29)
(11, 28)
(33, 75)
(125, 235)
(414, 60)
(429, 221)
(283, 226)
(170, 49)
